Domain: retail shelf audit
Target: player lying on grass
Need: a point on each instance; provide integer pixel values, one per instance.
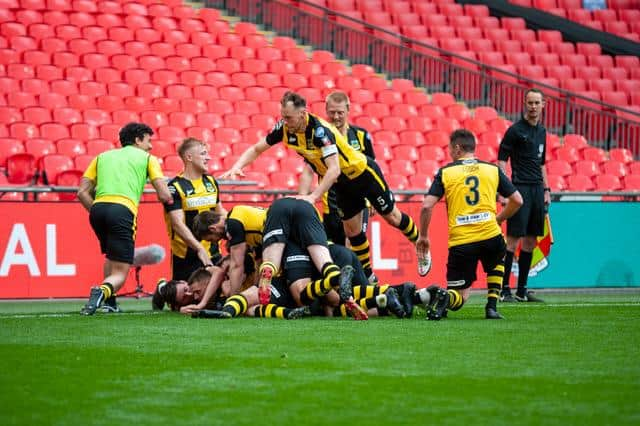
(298, 268)
(286, 220)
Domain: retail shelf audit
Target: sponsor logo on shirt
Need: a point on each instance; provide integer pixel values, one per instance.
(473, 218)
(205, 200)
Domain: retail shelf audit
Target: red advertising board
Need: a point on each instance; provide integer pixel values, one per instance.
(49, 249)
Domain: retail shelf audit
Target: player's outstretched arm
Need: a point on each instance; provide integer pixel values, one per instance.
(246, 158)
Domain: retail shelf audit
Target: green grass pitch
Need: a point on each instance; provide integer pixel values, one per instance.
(572, 361)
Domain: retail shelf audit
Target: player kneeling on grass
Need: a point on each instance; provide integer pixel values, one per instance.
(470, 187)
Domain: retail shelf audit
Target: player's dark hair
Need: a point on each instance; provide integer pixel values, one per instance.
(131, 131)
(533, 90)
(297, 100)
(464, 139)
(203, 221)
(187, 144)
(165, 293)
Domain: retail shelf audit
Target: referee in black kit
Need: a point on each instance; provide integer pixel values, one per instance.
(524, 143)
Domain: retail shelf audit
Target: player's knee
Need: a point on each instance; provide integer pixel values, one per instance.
(394, 217)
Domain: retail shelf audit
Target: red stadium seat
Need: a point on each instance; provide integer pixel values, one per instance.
(580, 183)
(594, 154)
(200, 133)
(632, 182)
(567, 153)
(621, 154)
(615, 168)
(559, 168)
(70, 147)
(607, 182)
(97, 146)
(556, 183)
(402, 167)
(21, 169)
(397, 181)
(9, 147)
(39, 147)
(53, 165)
(587, 168)
(427, 167)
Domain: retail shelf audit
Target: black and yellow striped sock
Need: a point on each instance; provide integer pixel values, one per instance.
(341, 311)
(455, 300)
(107, 290)
(236, 305)
(368, 303)
(360, 246)
(494, 284)
(365, 291)
(271, 311)
(318, 288)
(408, 228)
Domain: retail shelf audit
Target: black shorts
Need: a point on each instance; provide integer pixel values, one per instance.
(463, 260)
(529, 219)
(280, 294)
(290, 219)
(334, 228)
(297, 263)
(115, 227)
(370, 185)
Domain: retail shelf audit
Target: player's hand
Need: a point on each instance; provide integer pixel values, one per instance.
(422, 246)
(547, 198)
(204, 256)
(233, 174)
(502, 200)
(189, 309)
(372, 211)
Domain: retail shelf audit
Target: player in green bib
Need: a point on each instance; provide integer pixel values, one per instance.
(110, 190)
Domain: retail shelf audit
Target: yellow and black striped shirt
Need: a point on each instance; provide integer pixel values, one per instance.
(245, 224)
(193, 197)
(319, 141)
(470, 187)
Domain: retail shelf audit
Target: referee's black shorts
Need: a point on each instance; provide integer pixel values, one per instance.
(370, 185)
(529, 219)
(290, 219)
(115, 227)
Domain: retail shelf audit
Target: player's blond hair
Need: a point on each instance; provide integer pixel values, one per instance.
(338, 97)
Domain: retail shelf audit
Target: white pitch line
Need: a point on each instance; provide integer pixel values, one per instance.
(571, 305)
(532, 305)
(70, 314)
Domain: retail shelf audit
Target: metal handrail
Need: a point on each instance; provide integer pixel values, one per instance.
(606, 126)
(401, 193)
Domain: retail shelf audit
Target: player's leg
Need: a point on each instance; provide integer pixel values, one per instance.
(492, 258)
(516, 228)
(535, 227)
(461, 273)
(307, 231)
(277, 229)
(114, 226)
